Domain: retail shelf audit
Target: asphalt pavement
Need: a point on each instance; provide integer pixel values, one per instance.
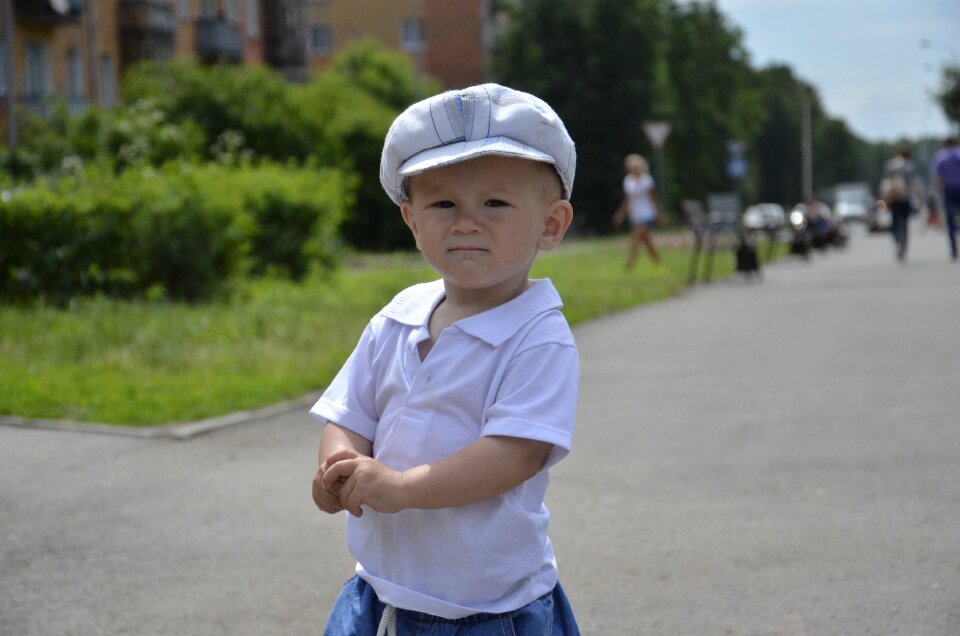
(772, 457)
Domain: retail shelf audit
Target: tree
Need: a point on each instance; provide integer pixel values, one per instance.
(949, 94)
(595, 63)
(777, 145)
(385, 75)
(713, 99)
(359, 97)
(255, 102)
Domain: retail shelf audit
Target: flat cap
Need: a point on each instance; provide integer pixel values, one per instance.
(464, 124)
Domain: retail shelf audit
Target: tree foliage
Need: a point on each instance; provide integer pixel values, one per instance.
(608, 65)
(714, 100)
(595, 62)
(949, 93)
(235, 115)
(371, 86)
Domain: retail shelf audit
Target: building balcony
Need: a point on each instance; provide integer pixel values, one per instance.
(147, 30)
(219, 41)
(48, 12)
(142, 17)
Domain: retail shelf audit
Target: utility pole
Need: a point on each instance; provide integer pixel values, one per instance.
(8, 33)
(806, 144)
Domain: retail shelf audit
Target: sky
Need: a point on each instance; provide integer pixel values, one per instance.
(875, 63)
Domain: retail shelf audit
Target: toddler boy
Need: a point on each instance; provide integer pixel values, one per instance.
(440, 427)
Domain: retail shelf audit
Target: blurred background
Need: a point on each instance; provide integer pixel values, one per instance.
(278, 110)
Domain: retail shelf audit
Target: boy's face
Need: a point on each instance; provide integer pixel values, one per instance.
(480, 222)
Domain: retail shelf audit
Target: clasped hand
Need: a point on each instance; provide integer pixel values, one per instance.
(346, 480)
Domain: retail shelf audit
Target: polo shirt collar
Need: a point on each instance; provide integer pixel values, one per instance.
(494, 326)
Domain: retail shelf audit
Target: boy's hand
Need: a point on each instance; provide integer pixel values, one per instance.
(364, 481)
(326, 500)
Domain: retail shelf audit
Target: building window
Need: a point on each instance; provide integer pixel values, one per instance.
(185, 9)
(39, 76)
(208, 8)
(411, 39)
(253, 18)
(233, 10)
(75, 80)
(321, 39)
(108, 92)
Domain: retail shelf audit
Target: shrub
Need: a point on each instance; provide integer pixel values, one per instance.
(182, 232)
(371, 86)
(296, 216)
(255, 101)
(121, 137)
(361, 122)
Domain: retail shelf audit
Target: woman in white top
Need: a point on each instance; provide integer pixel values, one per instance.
(639, 205)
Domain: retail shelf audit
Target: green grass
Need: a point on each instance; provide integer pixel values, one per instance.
(146, 363)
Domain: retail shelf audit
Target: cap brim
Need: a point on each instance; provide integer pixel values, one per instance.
(463, 150)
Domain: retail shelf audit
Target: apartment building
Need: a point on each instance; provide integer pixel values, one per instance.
(54, 50)
(451, 40)
(79, 49)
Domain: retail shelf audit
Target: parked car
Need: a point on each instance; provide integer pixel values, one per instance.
(851, 201)
(764, 216)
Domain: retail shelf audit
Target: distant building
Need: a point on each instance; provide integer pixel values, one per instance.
(451, 40)
(80, 49)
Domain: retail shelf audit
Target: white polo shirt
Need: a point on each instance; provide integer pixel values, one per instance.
(512, 370)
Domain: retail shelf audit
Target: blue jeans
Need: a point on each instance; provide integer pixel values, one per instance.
(951, 208)
(357, 612)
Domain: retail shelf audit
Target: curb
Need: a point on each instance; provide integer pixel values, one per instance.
(181, 431)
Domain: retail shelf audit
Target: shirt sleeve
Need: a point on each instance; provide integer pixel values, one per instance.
(537, 398)
(350, 400)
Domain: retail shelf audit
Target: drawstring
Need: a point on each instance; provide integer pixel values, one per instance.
(388, 622)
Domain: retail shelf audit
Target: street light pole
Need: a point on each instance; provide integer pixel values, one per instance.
(806, 144)
(8, 33)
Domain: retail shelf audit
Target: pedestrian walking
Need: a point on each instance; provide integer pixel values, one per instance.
(441, 426)
(640, 206)
(946, 179)
(897, 189)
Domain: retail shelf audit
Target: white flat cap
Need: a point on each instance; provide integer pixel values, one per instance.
(464, 124)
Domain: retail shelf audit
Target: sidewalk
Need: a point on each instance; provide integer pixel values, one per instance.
(776, 457)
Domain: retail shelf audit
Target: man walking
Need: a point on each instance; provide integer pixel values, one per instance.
(946, 177)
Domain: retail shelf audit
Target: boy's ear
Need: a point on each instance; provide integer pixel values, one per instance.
(406, 210)
(555, 225)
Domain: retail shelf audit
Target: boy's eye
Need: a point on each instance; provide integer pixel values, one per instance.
(496, 203)
(442, 204)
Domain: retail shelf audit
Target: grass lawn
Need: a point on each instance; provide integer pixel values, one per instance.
(146, 363)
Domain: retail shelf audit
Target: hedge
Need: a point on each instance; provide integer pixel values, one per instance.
(183, 231)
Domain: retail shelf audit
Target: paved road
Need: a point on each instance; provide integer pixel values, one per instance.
(773, 458)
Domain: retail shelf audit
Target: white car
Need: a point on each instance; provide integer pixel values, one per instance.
(851, 201)
(764, 216)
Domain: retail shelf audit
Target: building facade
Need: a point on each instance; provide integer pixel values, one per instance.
(451, 40)
(79, 49)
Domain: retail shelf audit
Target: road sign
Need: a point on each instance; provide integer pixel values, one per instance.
(657, 132)
(737, 167)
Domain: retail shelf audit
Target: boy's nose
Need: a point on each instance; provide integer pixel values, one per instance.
(465, 221)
